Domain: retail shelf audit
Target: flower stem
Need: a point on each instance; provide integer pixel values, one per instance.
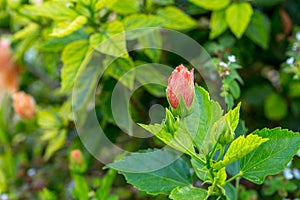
(237, 176)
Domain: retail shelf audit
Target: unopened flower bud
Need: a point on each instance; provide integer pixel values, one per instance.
(171, 123)
(24, 105)
(77, 161)
(180, 91)
(226, 137)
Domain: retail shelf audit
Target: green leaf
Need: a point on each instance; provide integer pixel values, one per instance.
(48, 120)
(217, 23)
(233, 117)
(238, 16)
(188, 192)
(158, 90)
(26, 31)
(271, 157)
(119, 68)
(239, 148)
(140, 21)
(72, 57)
(111, 41)
(125, 7)
(138, 171)
(234, 89)
(211, 4)
(275, 107)
(223, 129)
(209, 112)
(55, 144)
(259, 29)
(152, 39)
(56, 10)
(104, 3)
(58, 44)
(176, 19)
(178, 140)
(76, 24)
(201, 170)
(3, 182)
(164, 2)
(86, 81)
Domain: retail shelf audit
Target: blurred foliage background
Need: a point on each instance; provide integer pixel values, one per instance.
(45, 46)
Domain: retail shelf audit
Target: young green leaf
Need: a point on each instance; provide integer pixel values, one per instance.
(217, 23)
(76, 24)
(238, 16)
(56, 10)
(188, 192)
(111, 41)
(142, 21)
(201, 170)
(119, 68)
(259, 29)
(138, 171)
(176, 19)
(211, 4)
(72, 57)
(209, 112)
(271, 157)
(239, 148)
(139, 23)
(152, 39)
(180, 140)
(125, 7)
(55, 144)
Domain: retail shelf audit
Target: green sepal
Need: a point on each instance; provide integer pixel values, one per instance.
(182, 109)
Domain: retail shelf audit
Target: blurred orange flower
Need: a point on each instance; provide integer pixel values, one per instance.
(24, 105)
(9, 71)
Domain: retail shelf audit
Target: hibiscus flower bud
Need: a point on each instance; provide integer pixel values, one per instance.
(24, 105)
(171, 123)
(180, 91)
(77, 161)
(9, 71)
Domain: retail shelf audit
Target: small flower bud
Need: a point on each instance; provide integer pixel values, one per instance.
(226, 137)
(224, 134)
(24, 105)
(180, 91)
(171, 123)
(77, 161)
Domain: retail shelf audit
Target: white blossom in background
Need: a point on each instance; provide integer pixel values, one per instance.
(31, 172)
(232, 58)
(288, 174)
(223, 64)
(290, 61)
(4, 197)
(296, 173)
(294, 48)
(298, 36)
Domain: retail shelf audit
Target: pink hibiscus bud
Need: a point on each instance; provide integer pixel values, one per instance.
(180, 91)
(24, 105)
(77, 161)
(76, 156)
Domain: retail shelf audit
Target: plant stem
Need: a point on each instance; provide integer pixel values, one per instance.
(222, 149)
(237, 185)
(234, 177)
